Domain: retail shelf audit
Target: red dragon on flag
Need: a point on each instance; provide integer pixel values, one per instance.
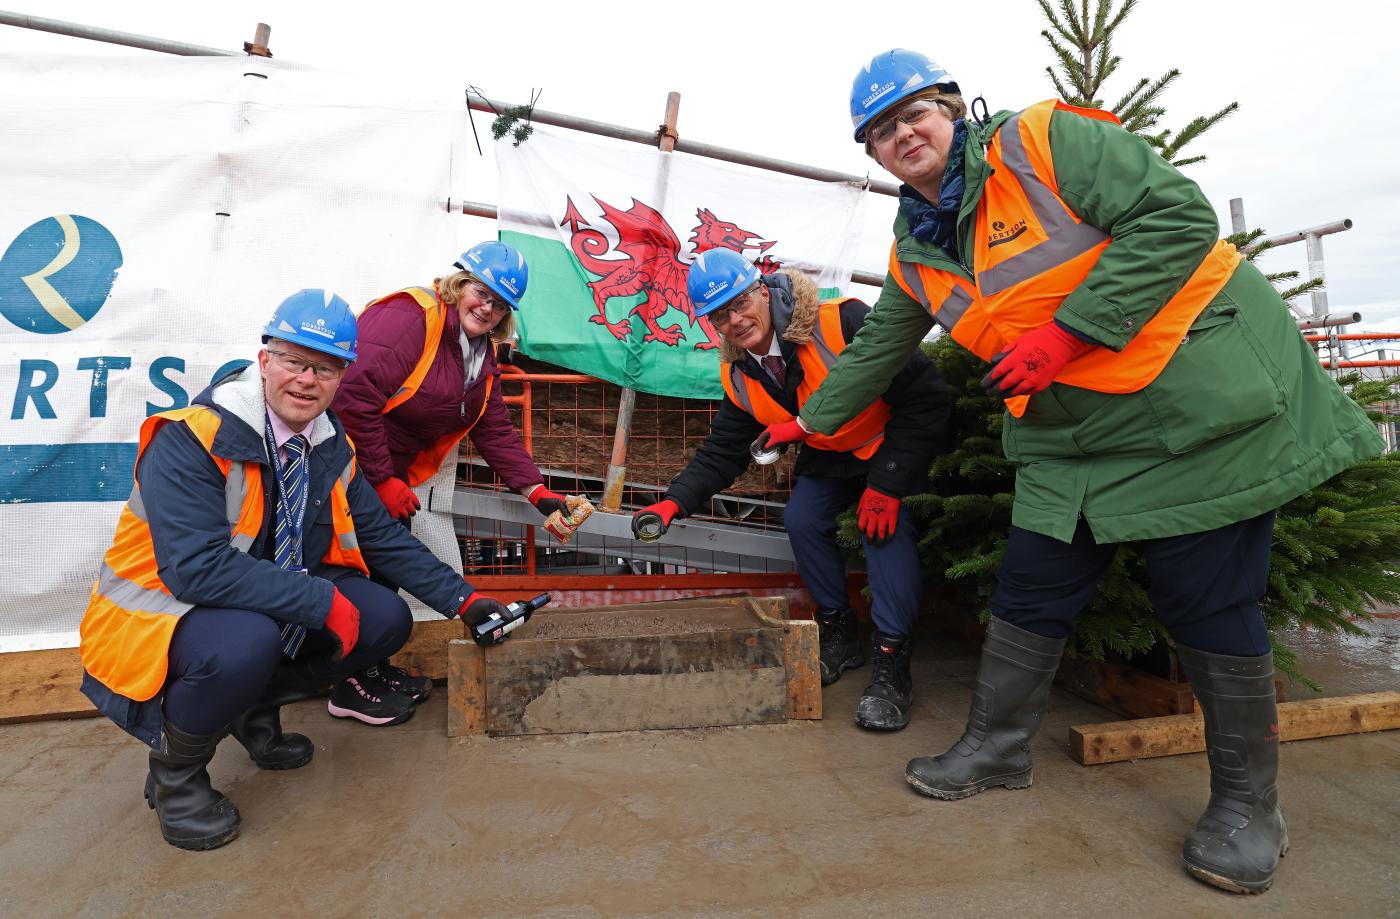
(647, 260)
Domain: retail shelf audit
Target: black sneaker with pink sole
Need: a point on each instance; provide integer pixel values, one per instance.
(417, 688)
(370, 701)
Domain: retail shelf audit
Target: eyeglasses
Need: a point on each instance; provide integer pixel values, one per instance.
(488, 297)
(296, 366)
(911, 114)
(744, 303)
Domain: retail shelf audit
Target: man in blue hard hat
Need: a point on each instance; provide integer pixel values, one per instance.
(778, 340)
(237, 579)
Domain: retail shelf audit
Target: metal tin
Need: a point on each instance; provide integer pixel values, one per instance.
(765, 457)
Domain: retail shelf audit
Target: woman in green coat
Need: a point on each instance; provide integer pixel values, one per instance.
(1157, 390)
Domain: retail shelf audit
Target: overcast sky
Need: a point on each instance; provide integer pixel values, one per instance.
(1315, 139)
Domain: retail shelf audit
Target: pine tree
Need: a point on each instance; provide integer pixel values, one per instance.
(1083, 45)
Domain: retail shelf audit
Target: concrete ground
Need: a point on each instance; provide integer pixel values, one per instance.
(800, 819)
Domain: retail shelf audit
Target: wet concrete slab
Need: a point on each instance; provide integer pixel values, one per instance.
(798, 819)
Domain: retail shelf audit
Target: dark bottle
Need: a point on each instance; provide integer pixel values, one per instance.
(494, 630)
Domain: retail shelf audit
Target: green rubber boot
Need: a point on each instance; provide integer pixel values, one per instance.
(1240, 838)
(1013, 688)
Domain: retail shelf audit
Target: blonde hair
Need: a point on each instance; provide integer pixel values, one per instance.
(449, 291)
(951, 103)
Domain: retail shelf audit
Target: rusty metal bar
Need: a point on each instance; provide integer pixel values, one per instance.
(258, 46)
(111, 36)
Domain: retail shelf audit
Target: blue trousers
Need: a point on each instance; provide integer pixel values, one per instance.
(221, 658)
(895, 582)
(1205, 587)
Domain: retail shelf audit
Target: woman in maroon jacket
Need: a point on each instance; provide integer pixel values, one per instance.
(426, 376)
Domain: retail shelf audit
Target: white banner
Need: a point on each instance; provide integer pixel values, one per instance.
(155, 212)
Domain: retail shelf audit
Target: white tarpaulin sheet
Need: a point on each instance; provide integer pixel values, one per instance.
(199, 192)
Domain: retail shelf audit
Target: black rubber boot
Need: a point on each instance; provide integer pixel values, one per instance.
(192, 814)
(840, 643)
(1013, 687)
(260, 728)
(1239, 840)
(889, 697)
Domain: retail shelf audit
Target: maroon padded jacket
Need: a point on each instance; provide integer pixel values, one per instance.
(390, 343)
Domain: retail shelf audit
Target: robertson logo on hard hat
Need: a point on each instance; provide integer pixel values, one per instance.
(318, 328)
(877, 92)
(716, 289)
(507, 282)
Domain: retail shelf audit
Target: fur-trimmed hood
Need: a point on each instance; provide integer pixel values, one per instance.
(793, 299)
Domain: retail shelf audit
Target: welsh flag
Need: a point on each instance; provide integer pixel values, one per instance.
(609, 231)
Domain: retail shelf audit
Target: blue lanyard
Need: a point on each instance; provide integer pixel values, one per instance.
(294, 524)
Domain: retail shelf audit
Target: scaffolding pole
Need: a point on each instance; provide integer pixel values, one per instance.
(113, 37)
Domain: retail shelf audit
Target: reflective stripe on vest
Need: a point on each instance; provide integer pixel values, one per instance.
(1031, 251)
(131, 615)
(426, 464)
(862, 435)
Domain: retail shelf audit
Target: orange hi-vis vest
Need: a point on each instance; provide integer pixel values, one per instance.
(426, 464)
(1031, 251)
(131, 614)
(862, 435)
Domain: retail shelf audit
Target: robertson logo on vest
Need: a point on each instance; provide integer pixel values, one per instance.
(1001, 233)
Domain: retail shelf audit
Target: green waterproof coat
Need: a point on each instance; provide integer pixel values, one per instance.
(1241, 420)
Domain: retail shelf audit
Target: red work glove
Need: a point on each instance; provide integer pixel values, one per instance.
(399, 500)
(547, 502)
(477, 608)
(784, 432)
(343, 622)
(877, 515)
(663, 512)
(1033, 361)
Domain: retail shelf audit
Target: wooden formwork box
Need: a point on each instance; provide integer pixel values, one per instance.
(673, 664)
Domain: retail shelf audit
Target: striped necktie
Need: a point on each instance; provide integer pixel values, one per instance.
(291, 512)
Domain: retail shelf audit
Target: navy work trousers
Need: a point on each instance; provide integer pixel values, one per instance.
(221, 658)
(1205, 587)
(895, 584)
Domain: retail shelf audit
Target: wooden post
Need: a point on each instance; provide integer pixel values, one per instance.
(466, 688)
(1143, 738)
(617, 465)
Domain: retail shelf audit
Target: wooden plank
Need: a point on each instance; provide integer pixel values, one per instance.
(425, 654)
(1124, 689)
(1116, 741)
(466, 688)
(636, 682)
(38, 685)
(801, 652)
(35, 685)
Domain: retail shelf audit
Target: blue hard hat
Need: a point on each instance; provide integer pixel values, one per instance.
(315, 319)
(891, 78)
(716, 277)
(500, 267)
